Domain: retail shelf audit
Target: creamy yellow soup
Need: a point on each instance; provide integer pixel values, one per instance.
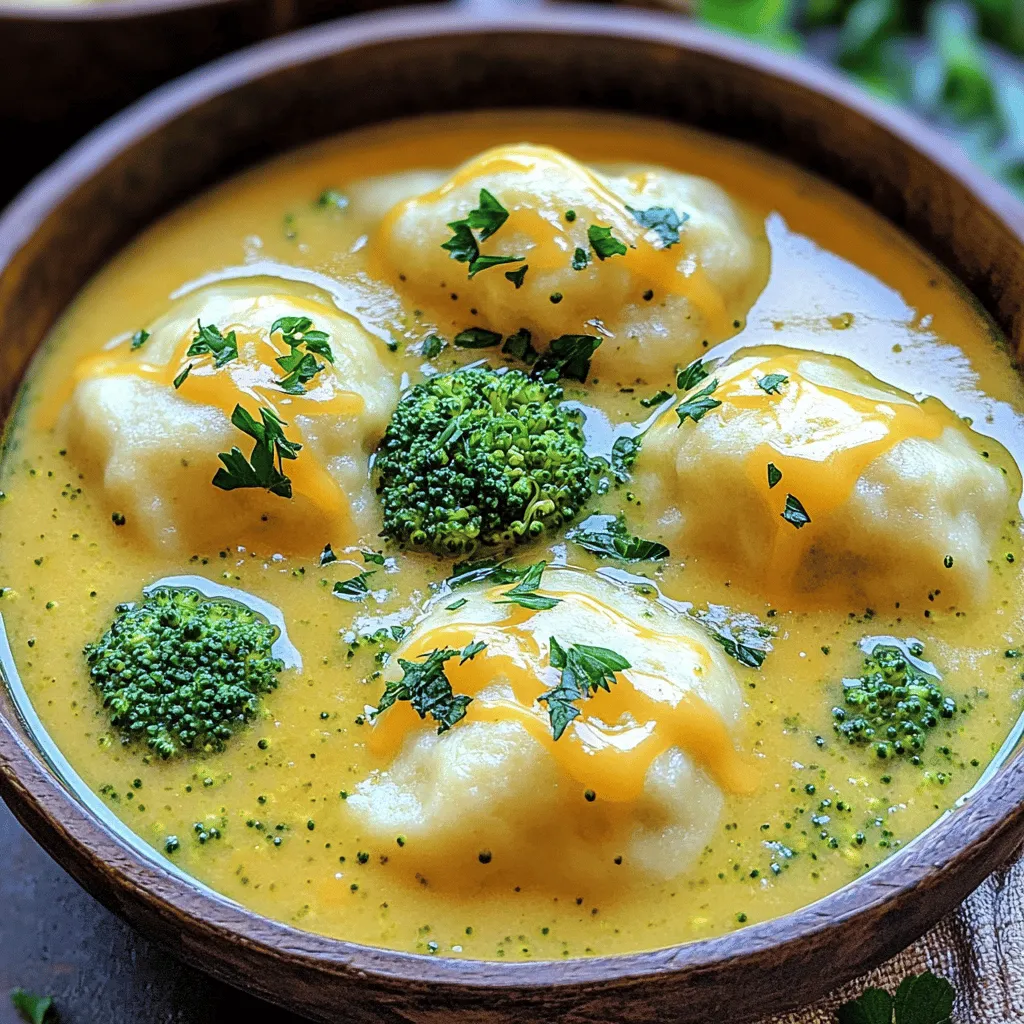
(697, 794)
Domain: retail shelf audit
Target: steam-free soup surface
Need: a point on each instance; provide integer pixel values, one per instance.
(765, 807)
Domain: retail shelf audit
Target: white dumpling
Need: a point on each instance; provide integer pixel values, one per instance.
(672, 293)
(903, 498)
(154, 447)
(637, 779)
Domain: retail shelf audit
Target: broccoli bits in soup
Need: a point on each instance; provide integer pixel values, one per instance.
(276, 399)
(519, 549)
(649, 263)
(593, 723)
(837, 487)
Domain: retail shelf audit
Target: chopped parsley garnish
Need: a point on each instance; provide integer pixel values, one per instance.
(604, 243)
(425, 685)
(139, 338)
(663, 221)
(920, 999)
(455, 605)
(580, 259)
(477, 337)
(525, 592)
(609, 537)
(464, 245)
(354, 589)
(772, 383)
(691, 376)
(698, 405)
(485, 569)
(300, 367)
(182, 377)
(585, 670)
(570, 215)
(432, 346)
(516, 276)
(655, 399)
(795, 513)
(742, 636)
(259, 470)
(209, 341)
(624, 453)
(520, 346)
(774, 475)
(327, 555)
(568, 356)
(374, 557)
(333, 198)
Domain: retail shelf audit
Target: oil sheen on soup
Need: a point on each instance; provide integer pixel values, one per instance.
(522, 535)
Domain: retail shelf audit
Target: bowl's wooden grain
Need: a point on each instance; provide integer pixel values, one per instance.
(66, 68)
(74, 217)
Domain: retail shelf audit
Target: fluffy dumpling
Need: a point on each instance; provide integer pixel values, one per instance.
(150, 419)
(808, 479)
(636, 779)
(653, 263)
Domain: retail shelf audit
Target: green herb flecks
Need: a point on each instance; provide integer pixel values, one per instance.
(327, 555)
(209, 341)
(354, 589)
(182, 377)
(697, 406)
(794, 512)
(427, 688)
(604, 243)
(139, 338)
(691, 376)
(771, 383)
(300, 367)
(625, 449)
(525, 593)
(580, 259)
(774, 475)
(464, 246)
(663, 221)
(477, 337)
(332, 199)
(742, 636)
(433, 345)
(516, 276)
(259, 470)
(520, 346)
(585, 670)
(568, 356)
(609, 537)
(656, 399)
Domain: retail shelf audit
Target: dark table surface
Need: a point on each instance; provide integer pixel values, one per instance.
(57, 940)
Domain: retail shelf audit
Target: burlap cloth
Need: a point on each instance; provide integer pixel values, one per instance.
(979, 948)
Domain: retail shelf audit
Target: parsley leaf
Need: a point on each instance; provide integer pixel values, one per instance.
(520, 346)
(376, 557)
(34, 1009)
(655, 399)
(456, 604)
(585, 670)
(774, 475)
(259, 470)
(624, 453)
(698, 405)
(580, 259)
(354, 589)
(691, 376)
(300, 368)
(425, 685)
(209, 341)
(139, 338)
(795, 513)
(327, 555)
(609, 537)
(333, 198)
(568, 356)
(663, 221)
(516, 276)
(432, 346)
(486, 262)
(488, 216)
(524, 593)
(874, 1006)
(920, 999)
(772, 383)
(604, 243)
(183, 376)
(476, 337)
(742, 636)
(462, 245)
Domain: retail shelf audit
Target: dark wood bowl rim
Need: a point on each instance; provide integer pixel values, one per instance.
(67, 826)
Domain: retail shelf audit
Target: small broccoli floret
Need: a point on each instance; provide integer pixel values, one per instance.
(478, 457)
(182, 671)
(892, 705)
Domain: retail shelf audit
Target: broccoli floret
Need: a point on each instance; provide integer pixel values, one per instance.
(892, 706)
(182, 671)
(477, 457)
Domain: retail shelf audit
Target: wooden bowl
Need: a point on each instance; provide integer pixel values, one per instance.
(257, 103)
(65, 68)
